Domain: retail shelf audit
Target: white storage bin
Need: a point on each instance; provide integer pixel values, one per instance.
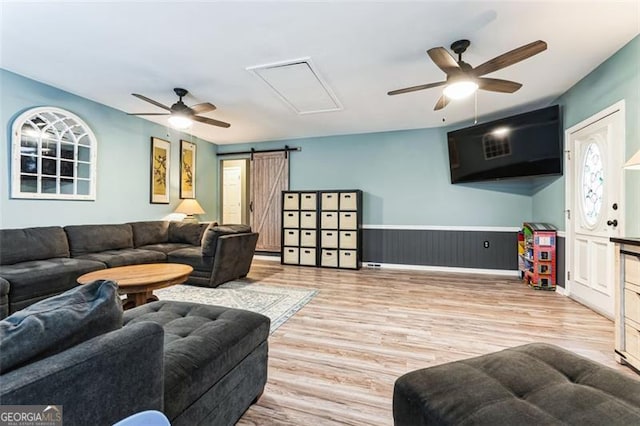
(329, 258)
(348, 259)
(291, 237)
(329, 201)
(329, 220)
(348, 220)
(308, 220)
(308, 201)
(348, 239)
(329, 239)
(290, 220)
(307, 238)
(308, 256)
(290, 255)
(290, 201)
(348, 201)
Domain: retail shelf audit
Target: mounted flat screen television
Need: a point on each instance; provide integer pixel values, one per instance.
(524, 145)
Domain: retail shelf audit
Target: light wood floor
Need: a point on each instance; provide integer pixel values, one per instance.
(335, 361)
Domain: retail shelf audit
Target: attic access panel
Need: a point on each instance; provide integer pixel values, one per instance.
(299, 85)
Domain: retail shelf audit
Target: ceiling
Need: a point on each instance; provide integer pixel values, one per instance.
(105, 51)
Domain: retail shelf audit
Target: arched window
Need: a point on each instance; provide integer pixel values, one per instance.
(53, 156)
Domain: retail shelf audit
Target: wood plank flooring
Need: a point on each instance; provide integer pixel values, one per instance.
(335, 361)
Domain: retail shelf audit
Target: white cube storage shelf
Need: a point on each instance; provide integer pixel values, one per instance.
(329, 239)
(308, 220)
(322, 228)
(291, 237)
(291, 220)
(309, 201)
(290, 201)
(308, 256)
(308, 238)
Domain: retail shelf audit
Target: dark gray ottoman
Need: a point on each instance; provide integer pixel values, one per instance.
(536, 384)
(215, 359)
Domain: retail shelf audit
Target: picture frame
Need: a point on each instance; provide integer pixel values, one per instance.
(187, 169)
(160, 167)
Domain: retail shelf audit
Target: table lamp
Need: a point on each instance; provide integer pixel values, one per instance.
(189, 207)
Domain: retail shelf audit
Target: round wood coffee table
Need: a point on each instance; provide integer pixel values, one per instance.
(139, 281)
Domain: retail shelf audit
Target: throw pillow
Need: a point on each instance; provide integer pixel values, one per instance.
(150, 232)
(59, 322)
(186, 232)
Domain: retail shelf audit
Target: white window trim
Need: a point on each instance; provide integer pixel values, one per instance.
(16, 152)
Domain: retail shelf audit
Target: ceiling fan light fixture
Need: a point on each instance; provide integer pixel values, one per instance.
(460, 89)
(180, 122)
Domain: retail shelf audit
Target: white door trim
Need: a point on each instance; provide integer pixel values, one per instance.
(569, 184)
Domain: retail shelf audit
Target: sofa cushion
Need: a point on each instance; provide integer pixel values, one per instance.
(85, 239)
(130, 256)
(531, 384)
(167, 248)
(202, 343)
(150, 232)
(4, 298)
(186, 232)
(22, 245)
(210, 237)
(60, 322)
(191, 256)
(39, 278)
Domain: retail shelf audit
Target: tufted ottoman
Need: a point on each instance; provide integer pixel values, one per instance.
(533, 384)
(215, 359)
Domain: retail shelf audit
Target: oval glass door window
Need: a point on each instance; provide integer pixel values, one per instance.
(592, 184)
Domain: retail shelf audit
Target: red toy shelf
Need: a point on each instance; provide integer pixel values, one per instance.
(537, 255)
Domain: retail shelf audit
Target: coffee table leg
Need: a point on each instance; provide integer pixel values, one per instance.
(138, 299)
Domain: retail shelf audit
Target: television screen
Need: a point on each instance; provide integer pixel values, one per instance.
(523, 145)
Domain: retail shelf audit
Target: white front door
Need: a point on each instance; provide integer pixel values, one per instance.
(594, 197)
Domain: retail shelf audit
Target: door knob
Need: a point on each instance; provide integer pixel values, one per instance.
(613, 222)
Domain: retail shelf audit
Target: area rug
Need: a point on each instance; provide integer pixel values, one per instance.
(278, 303)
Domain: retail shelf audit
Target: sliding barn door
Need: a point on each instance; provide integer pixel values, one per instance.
(269, 177)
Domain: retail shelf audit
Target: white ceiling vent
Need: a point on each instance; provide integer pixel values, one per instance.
(299, 85)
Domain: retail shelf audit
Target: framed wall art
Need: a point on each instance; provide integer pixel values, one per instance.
(160, 164)
(187, 169)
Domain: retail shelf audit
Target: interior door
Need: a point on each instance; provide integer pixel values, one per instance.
(234, 192)
(232, 195)
(269, 177)
(595, 212)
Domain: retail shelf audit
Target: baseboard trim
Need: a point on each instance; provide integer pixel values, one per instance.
(400, 266)
(264, 257)
(561, 290)
(445, 228)
(503, 272)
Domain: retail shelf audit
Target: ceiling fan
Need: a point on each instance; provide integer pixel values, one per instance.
(182, 116)
(463, 79)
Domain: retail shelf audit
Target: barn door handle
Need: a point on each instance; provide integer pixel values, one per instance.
(613, 222)
(251, 206)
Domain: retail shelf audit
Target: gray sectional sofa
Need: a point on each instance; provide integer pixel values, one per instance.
(199, 364)
(36, 263)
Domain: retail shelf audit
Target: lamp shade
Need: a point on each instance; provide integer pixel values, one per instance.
(189, 207)
(634, 162)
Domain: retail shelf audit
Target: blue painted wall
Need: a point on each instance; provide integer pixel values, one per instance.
(123, 162)
(404, 176)
(615, 79)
